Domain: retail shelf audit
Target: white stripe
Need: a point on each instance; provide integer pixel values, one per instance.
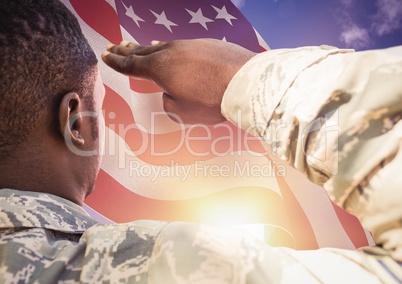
(172, 183)
(96, 215)
(369, 238)
(127, 36)
(261, 41)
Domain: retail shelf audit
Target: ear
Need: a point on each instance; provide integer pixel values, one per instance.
(70, 119)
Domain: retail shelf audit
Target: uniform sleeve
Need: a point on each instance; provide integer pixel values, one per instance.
(334, 115)
(192, 253)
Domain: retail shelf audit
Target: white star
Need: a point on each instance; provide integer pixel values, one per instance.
(198, 17)
(162, 20)
(223, 14)
(130, 13)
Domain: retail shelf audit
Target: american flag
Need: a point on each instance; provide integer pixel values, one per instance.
(156, 169)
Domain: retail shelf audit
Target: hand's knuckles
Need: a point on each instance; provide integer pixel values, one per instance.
(125, 51)
(113, 49)
(140, 50)
(126, 65)
(131, 44)
(140, 66)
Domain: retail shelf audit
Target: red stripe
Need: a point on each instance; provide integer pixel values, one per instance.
(119, 204)
(352, 227)
(144, 86)
(222, 140)
(107, 24)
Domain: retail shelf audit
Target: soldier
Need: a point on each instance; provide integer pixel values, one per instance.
(50, 83)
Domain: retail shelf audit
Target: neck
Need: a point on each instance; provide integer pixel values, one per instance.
(34, 170)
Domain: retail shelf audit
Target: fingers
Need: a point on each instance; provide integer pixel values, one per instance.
(146, 50)
(126, 48)
(135, 66)
(132, 59)
(120, 49)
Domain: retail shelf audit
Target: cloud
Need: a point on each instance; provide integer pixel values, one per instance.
(388, 17)
(352, 34)
(347, 3)
(355, 37)
(239, 3)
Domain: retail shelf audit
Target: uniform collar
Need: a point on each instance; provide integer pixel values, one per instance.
(27, 209)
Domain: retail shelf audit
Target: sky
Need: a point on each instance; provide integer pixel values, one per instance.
(358, 24)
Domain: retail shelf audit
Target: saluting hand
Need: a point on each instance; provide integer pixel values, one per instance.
(194, 74)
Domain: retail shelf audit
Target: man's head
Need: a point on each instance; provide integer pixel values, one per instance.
(47, 78)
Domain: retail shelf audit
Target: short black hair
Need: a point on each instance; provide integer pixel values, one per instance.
(43, 56)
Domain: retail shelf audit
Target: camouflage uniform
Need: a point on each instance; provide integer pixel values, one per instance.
(47, 239)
